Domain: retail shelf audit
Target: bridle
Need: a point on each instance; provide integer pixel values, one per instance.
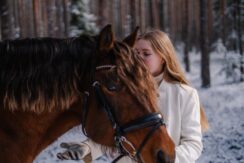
(153, 120)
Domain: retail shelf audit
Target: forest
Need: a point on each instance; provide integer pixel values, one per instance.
(201, 25)
(209, 41)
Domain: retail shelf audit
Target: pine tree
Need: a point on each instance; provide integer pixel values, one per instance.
(229, 26)
(82, 21)
(205, 60)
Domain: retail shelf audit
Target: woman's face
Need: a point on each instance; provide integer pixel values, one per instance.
(153, 60)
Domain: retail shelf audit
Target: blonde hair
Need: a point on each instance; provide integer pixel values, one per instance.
(173, 73)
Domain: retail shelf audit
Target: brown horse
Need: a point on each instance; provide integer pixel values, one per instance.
(49, 85)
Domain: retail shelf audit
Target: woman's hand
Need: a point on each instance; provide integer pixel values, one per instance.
(75, 151)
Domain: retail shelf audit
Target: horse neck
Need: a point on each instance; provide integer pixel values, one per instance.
(60, 124)
(33, 132)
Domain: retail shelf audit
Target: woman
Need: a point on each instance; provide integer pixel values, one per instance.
(179, 103)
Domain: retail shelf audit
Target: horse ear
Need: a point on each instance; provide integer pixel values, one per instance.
(106, 38)
(131, 39)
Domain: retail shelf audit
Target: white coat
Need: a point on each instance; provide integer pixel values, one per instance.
(180, 107)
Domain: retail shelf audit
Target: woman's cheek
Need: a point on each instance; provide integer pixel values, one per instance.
(147, 63)
(150, 67)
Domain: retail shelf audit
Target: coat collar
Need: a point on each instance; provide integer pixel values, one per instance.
(159, 78)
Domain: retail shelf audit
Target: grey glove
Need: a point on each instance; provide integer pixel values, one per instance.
(75, 151)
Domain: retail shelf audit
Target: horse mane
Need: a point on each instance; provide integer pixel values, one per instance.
(43, 73)
(132, 68)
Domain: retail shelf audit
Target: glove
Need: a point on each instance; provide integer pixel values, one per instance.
(75, 151)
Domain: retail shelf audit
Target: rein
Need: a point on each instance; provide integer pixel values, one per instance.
(153, 120)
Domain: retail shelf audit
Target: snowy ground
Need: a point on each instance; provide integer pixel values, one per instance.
(224, 105)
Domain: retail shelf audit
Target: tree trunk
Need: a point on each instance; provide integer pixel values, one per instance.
(16, 20)
(4, 18)
(235, 24)
(142, 15)
(36, 17)
(154, 13)
(191, 27)
(29, 18)
(137, 13)
(51, 9)
(180, 16)
(6, 13)
(172, 20)
(60, 32)
(102, 13)
(24, 21)
(223, 24)
(210, 21)
(111, 12)
(196, 37)
(45, 18)
(150, 13)
(133, 14)
(186, 36)
(239, 38)
(122, 18)
(161, 15)
(0, 23)
(166, 16)
(205, 73)
(66, 15)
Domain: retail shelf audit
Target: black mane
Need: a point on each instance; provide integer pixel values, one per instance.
(43, 71)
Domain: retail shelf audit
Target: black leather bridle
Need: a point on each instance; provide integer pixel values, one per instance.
(153, 120)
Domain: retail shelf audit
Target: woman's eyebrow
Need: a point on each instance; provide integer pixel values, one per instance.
(145, 50)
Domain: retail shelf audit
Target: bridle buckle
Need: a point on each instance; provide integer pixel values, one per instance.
(125, 144)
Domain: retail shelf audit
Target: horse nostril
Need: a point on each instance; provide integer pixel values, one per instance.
(160, 157)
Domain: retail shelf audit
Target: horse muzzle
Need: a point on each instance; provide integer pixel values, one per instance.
(162, 157)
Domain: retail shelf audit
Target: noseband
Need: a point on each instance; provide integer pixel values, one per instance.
(153, 120)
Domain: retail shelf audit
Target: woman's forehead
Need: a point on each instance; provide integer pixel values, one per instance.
(143, 45)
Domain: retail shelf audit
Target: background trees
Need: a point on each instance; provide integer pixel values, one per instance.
(221, 25)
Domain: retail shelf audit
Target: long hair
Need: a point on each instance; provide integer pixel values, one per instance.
(173, 73)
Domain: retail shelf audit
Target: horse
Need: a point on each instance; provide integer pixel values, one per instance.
(49, 85)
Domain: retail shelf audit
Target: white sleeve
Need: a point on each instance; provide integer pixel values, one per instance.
(96, 150)
(190, 146)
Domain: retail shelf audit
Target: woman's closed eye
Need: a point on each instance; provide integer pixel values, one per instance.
(143, 53)
(146, 54)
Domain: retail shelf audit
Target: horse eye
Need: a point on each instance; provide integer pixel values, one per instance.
(111, 86)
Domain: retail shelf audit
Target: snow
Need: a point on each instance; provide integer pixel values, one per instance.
(224, 106)
(85, 20)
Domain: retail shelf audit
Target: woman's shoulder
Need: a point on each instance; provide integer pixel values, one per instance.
(179, 88)
(186, 88)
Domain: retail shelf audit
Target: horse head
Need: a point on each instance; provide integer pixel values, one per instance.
(121, 103)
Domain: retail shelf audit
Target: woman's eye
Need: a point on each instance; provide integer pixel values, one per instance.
(146, 54)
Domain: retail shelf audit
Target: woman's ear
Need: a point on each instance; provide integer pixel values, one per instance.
(131, 39)
(106, 38)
